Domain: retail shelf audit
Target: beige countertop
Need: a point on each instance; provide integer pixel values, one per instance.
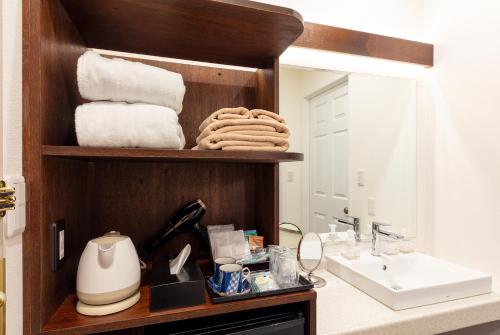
(343, 309)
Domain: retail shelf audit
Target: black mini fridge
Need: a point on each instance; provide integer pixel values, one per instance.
(258, 322)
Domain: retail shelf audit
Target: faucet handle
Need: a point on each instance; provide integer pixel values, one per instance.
(376, 226)
(343, 220)
(380, 224)
(355, 225)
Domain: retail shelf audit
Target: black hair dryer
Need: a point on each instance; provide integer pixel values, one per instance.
(187, 219)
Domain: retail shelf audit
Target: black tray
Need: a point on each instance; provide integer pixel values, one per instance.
(303, 285)
(254, 267)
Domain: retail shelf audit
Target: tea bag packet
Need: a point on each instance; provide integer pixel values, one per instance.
(256, 242)
(219, 240)
(224, 250)
(249, 233)
(220, 244)
(240, 247)
(218, 228)
(229, 244)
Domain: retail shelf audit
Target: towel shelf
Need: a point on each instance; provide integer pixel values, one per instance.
(244, 33)
(91, 154)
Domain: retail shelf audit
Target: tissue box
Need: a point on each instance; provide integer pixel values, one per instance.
(173, 291)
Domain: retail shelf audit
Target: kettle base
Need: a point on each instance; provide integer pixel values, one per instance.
(100, 310)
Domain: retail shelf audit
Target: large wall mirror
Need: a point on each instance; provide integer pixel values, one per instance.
(358, 135)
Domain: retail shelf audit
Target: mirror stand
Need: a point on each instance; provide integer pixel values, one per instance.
(309, 256)
(318, 282)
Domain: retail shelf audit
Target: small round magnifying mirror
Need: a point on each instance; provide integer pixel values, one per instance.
(309, 255)
(290, 235)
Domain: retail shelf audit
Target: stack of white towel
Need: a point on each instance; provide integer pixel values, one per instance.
(134, 104)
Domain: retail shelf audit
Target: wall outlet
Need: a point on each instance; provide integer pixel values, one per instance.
(290, 176)
(61, 245)
(58, 241)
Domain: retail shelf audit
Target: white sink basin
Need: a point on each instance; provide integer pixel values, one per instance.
(409, 280)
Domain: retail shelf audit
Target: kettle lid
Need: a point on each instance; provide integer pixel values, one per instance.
(109, 238)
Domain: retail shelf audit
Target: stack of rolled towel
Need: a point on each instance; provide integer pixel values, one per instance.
(243, 130)
(134, 104)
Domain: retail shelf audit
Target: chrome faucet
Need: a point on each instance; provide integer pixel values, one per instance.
(377, 232)
(354, 223)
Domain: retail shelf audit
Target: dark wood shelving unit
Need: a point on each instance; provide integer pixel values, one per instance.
(235, 32)
(86, 153)
(67, 321)
(134, 191)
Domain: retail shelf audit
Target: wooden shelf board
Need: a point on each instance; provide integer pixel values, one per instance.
(170, 155)
(328, 38)
(66, 320)
(236, 32)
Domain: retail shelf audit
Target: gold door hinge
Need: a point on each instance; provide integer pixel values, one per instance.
(7, 198)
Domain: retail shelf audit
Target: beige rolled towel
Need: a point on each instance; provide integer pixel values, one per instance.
(221, 144)
(230, 147)
(266, 115)
(218, 127)
(221, 141)
(237, 113)
(252, 129)
(245, 146)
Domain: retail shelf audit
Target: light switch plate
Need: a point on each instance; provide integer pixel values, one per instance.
(58, 241)
(372, 206)
(360, 177)
(290, 176)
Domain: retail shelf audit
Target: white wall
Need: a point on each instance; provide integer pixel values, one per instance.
(403, 19)
(10, 104)
(290, 100)
(464, 88)
(383, 145)
(386, 17)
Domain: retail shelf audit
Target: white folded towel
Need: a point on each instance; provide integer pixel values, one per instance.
(116, 79)
(119, 124)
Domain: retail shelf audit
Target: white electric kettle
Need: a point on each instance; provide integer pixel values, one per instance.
(109, 270)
